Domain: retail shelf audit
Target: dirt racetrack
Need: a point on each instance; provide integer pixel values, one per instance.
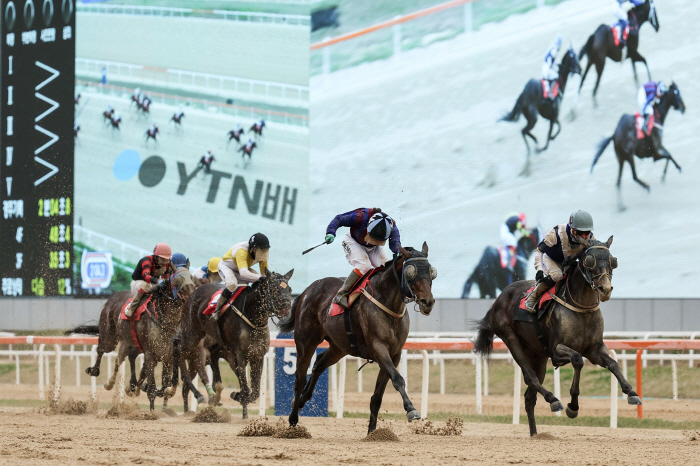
(30, 437)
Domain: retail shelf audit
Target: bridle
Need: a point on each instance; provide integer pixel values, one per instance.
(594, 280)
(423, 270)
(264, 297)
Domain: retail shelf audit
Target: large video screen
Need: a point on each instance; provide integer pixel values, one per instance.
(159, 91)
(406, 118)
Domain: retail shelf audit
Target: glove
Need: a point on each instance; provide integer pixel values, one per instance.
(329, 238)
(161, 284)
(539, 275)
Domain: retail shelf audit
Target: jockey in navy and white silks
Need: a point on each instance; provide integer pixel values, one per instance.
(621, 9)
(511, 231)
(647, 97)
(550, 69)
(370, 229)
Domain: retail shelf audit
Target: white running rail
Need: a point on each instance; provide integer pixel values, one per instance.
(122, 251)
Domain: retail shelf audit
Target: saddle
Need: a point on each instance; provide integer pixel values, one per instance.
(142, 308)
(508, 261)
(553, 91)
(215, 300)
(639, 123)
(362, 283)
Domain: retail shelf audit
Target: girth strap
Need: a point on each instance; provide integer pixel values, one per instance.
(570, 307)
(351, 336)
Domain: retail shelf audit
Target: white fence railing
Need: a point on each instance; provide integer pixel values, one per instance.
(122, 251)
(255, 17)
(224, 86)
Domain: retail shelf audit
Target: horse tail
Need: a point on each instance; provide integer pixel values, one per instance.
(287, 325)
(601, 147)
(517, 110)
(84, 330)
(483, 345)
(586, 49)
(468, 285)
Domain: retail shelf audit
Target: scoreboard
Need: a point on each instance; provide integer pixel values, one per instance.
(37, 81)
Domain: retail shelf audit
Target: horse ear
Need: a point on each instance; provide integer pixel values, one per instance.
(266, 271)
(404, 253)
(609, 242)
(289, 274)
(425, 248)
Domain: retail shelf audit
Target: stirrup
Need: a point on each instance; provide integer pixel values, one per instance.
(215, 315)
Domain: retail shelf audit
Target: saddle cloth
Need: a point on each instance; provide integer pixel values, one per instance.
(136, 315)
(639, 122)
(215, 300)
(507, 260)
(615, 27)
(547, 296)
(554, 91)
(337, 309)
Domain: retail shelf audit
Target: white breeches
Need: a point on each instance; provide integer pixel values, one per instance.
(230, 277)
(549, 72)
(549, 267)
(642, 102)
(363, 258)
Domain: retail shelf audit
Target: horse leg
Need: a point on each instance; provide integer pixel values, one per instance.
(329, 357)
(539, 363)
(123, 351)
(599, 69)
(564, 355)
(149, 365)
(620, 206)
(664, 154)
(94, 371)
(530, 114)
(634, 176)
(376, 402)
(558, 131)
(388, 364)
(131, 391)
(599, 355)
(549, 138)
(635, 57)
(304, 355)
(244, 393)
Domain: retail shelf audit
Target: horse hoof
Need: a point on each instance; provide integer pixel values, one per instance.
(571, 413)
(234, 396)
(93, 371)
(634, 400)
(556, 406)
(201, 399)
(413, 415)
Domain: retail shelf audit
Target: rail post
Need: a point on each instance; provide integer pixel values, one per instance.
(57, 374)
(425, 384)
(41, 371)
(557, 387)
(516, 394)
(613, 395)
(640, 410)
(271, 376)
(122, 381)
(17, 365)
(442, 376)
(468, 17)
(359, 375)
(486, 377)
(334, 387)
(77, 370)
(396, 36)
(93, 380)
(479, 366)
(674, 368)
(263, 386)
(403, 367)
(341, 388)
(193, 399)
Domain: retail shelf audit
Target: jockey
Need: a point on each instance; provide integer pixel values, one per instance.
(153, 129)
(363, 244)
(116, 117)
(647, 96)
(179, 114)
(621, 9)
(562, 242)
(249, 145)
(145, 278)
(179, 260)
(236, 266)
(209, 273)
(137, 92)
(206, 161)
(511, 231)
(109, 108)
(550, 69)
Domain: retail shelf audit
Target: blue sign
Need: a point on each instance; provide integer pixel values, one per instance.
(96, 269)
(285, 372)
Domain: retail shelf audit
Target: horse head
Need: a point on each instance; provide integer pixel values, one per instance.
(182, 284)
(596, 265)
(575, 64)
(276, 292)
(653, 18)
(677, 101)
(417, 277)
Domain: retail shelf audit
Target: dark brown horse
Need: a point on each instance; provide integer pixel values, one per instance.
(234, 134)
(154, 333)
(378, 335)
(241, 341)
(532, 101)
(601, 44)
(570, 335)
(627, 144)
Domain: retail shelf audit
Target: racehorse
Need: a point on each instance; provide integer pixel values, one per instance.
(177, 118)
(244, 338)
(532, 101)
(234, 134)
(107, 115)
(627, 143)
(257, 128)
(490, 275)
(115, 122)
(143, 105)
(247, 150)
(570, 331)
(152, 133)
(380, 327)
(601, 44)
(152, 335)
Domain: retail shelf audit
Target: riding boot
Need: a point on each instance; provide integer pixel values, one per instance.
(341, 298)
(225, 295)
(534, 296)
(135, 303)
(646, 124)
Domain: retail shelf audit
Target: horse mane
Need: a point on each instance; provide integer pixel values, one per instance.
(399, 256)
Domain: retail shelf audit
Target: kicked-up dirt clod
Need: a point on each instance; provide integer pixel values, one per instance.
(453, 427)
(209, 414)
(130, 411)
(381, 435)
(293, 432)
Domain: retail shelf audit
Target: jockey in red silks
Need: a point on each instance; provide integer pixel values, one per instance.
(621, 9)
(512, 230)
(363, 244)
(149, 274)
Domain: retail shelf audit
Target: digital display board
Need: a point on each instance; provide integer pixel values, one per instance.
(36, 147)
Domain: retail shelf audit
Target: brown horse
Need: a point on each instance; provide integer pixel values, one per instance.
(569, 335)
(242, 341)
(154, 333)
(378, 335)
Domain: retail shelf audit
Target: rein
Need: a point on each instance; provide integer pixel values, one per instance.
(591, 280)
